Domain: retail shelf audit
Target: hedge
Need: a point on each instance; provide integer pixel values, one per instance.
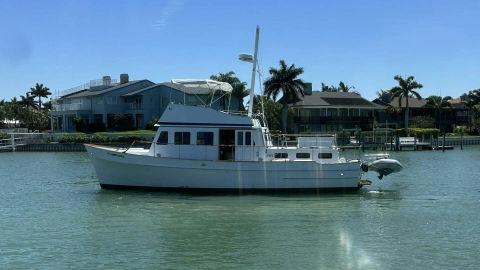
(83, 138)
(418, 132)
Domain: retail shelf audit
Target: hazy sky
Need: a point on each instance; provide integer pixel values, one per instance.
(363, 43)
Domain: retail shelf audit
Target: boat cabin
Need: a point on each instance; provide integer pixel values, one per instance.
(202, 133)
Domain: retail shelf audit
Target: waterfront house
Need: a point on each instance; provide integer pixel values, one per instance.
(446, 120)
(99, 102)
(335, 111)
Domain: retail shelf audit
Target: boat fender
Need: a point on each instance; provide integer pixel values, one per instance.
(364, 167)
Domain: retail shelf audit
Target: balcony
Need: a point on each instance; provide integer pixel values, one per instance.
(334, 119)
(135, 106)
(70, 107)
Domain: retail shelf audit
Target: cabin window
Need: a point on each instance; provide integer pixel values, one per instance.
(163, 137)
(248, 138)
(302, 155)
(182, 137)
(205, 138)
(324, 155)
(239, 138)
(280, 155)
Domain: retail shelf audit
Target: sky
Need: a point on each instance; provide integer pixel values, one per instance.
(66, 43)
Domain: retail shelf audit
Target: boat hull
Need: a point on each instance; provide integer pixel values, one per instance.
(116, 169)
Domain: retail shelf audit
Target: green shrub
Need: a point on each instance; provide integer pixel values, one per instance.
(418, 132)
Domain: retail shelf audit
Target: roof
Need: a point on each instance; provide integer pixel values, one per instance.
(335, 99)
(141, 90)
(412, 102)
(458, 103)
(88, 93)
(184, 115)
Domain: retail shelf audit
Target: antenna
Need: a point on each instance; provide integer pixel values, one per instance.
(254, 69)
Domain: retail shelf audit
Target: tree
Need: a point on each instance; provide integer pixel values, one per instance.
(238, 87)
(331, 88)
(272, 110)
(285, 81)
(27, 101)
(342, 87)
(405, 89)
(40, 91)
(471, 99)
(384, 96)
(47, 106)
(439, 104)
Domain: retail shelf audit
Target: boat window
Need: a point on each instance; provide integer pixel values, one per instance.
(248, 138)
(182, 137)
(302, 155)
(205, 138)
(324, 155)
(163, 137)
(281, 155)
(239, 138)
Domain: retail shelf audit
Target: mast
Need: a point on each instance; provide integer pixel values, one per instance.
(254, 70)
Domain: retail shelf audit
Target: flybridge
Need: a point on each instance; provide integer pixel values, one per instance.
(177, 114)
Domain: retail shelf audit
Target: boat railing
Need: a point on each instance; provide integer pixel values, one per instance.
(294, 140)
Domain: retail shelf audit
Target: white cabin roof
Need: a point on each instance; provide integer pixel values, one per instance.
(184, 115)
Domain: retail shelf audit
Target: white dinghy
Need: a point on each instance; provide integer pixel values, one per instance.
(382, 164)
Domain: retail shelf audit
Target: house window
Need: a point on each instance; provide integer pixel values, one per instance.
(182, 137)
(324, 155)
(248, 138)
(163, 137)
(240, 138)
(280, 155)
(302, 155)
(205, 138)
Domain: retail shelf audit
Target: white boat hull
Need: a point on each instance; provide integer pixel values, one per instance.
(116, 169)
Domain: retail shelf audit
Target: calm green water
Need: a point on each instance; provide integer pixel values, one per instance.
(53, 215)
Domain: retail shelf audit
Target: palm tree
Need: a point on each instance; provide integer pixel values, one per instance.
(28, 101)
(439, 104)
(405, 89)
(238, 87)
(331, 88)
(342, 87)
(285, 81)
(40, 91)
(384, 96)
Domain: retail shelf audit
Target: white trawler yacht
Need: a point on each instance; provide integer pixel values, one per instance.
(198, 148)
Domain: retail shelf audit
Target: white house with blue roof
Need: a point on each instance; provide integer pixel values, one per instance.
(141, 101)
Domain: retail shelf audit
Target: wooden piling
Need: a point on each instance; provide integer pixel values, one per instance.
(443, 143)
(461, 141)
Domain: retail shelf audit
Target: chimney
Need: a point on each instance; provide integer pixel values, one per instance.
(123, 78)
(107, 81)
(308, 89)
